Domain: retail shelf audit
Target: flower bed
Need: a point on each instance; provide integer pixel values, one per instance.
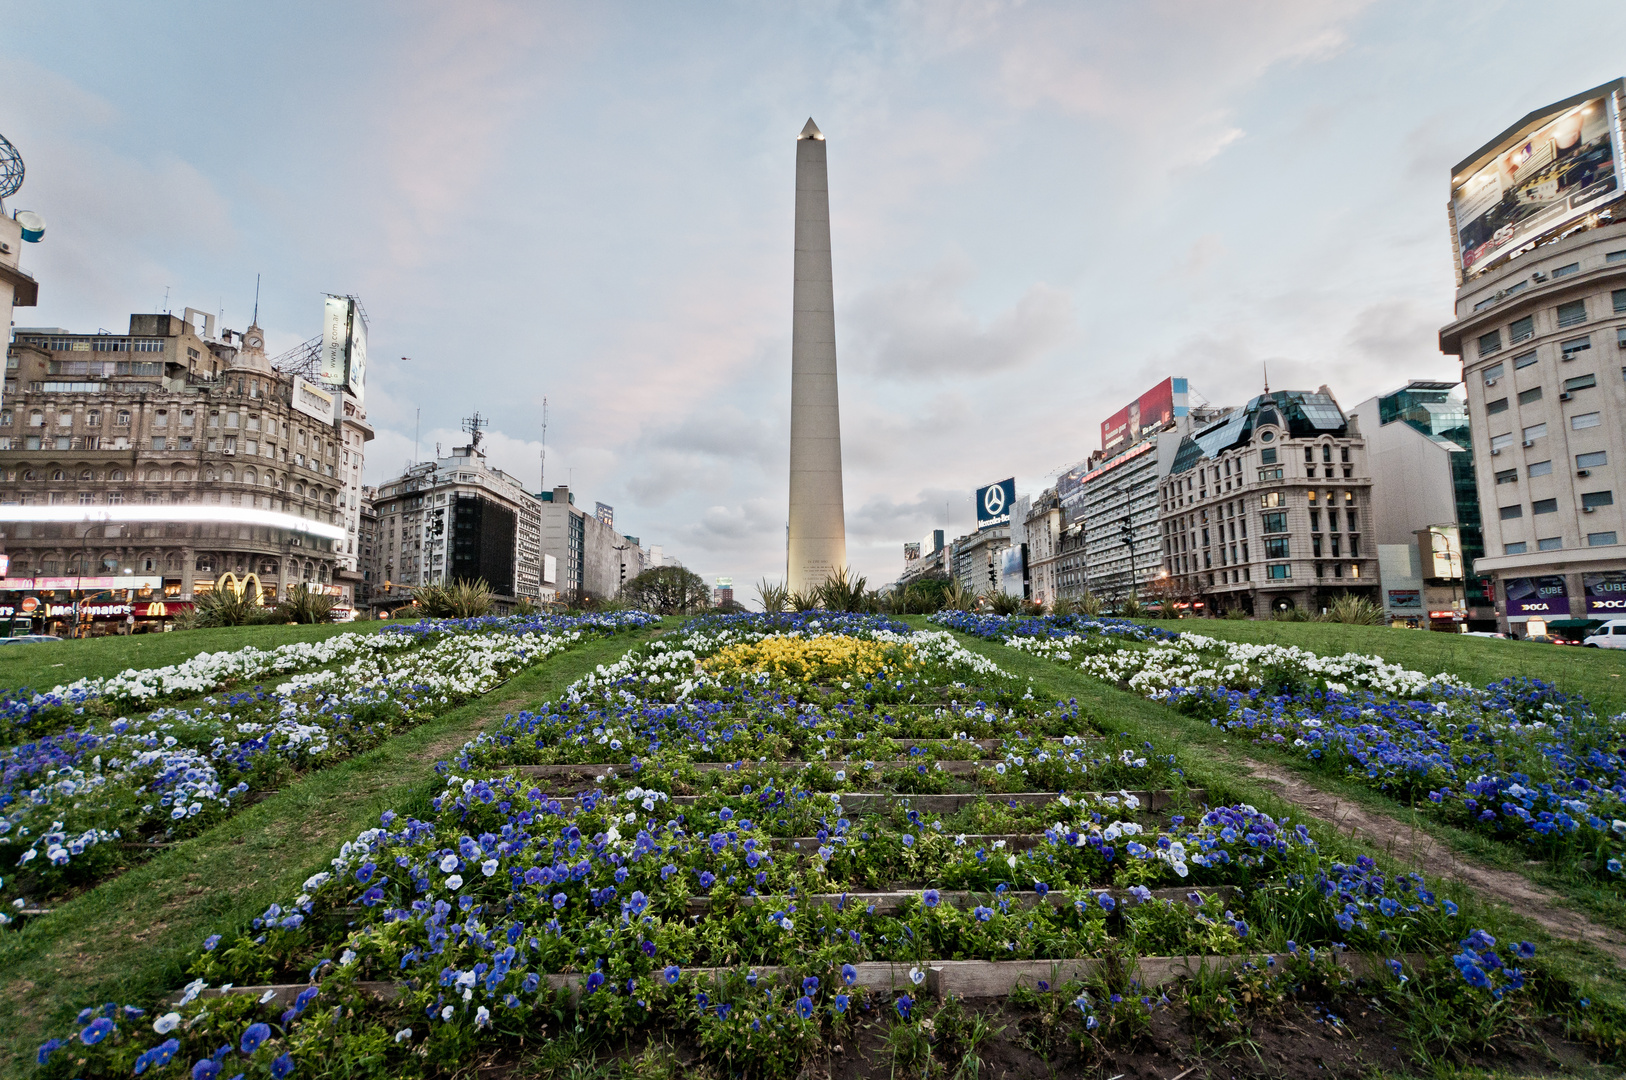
(659, 900)
(65, 799)
(1517, 760)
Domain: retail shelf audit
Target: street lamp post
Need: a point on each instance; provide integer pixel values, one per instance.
(1126, 526)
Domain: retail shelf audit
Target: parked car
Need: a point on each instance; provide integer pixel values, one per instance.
(1611, 635)
(28, 639)
(1483, 633)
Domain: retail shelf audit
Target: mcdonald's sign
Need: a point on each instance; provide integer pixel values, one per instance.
(240, 585)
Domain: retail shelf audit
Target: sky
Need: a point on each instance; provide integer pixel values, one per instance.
(1038, 211)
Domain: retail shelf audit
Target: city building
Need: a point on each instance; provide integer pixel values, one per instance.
(1268, 508)
(17, 287)
(369, 553)
(459, 518)
(977, 559)
(1539, 326)
(926, 558)
(1043, 524)
(1116, 506)
(1425, 506)
(589, 558)
(173, 457)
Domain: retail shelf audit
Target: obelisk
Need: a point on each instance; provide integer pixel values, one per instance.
(816, 542)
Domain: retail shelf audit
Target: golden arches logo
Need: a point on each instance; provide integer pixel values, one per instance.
(240, 585)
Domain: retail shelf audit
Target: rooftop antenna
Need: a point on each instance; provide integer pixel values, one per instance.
(166, 299)
(544, 478)
(256, 299)
(1266, 368)
(473, 424)
(417, 430)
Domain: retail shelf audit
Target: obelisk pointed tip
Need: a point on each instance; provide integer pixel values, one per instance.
(811, 131)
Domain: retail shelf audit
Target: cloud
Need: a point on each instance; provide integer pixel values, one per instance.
(920, 328)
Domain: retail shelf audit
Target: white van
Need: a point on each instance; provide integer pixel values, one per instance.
(1611, 635)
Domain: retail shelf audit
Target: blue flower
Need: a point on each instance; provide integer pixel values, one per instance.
(49, 1047)
(558, 901)
(840, 1004)
(206, 1070)
(804, 1007)
(210, 942)
(672, 974)
(707, 879)
(97, 1030)
(849, 974)
(1106, 901)
(931, 898)
(1525, 950)
(903, 1005)
(254, 1036)
(810, 985)
(283, 1067)
(594, 981)
(1389, 906)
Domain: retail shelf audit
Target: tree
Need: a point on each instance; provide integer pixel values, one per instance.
(667, 590)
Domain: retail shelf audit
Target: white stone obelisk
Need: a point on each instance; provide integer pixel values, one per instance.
(816, 542)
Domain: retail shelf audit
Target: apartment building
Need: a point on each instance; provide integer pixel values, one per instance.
(1268, 508)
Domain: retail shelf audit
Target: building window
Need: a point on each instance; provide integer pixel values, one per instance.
(160, 418)
(1569, 350)
(1276, 547)
(1497, 406)
(1270, 499)
(1544, 506)
(1266, 475)
(1619, 298)
(1571, 314)
(1550, 543)
(1596, 459)
(1591, 500)
(1491, 374)
(114, 498)
(1315, 521)
(157, 442)
(121, 418)
(1498, 442)
(1518, 548)
(36, 419)
(1267, 456)
(1524, 360)
(1334, 541)
(1582, 421)
(86, 498)
(1580, 382)
(1522, 329)
(93, 418)
(1492, 342)
(1276, 522)
(1541, 468)
(1600, 539)
(1535, 431)
(1508, 476)
(1279, 572)
(1531, 395)
(1566, 270)
(1510, 512)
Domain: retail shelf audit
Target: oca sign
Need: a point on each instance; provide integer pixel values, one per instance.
(994, 503)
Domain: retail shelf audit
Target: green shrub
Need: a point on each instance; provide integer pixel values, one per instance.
(1355, 610)
(459, 600)
(304, 604)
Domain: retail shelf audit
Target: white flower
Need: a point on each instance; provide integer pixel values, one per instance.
(482, 1017)
(166, 1023)
(446, 1013)
(347, 957)
(267, 996)
(191, 991)
(455, 882)
(1011, 860)
(448, 864)
(916, 976)
(403, 1035)
(488, 867)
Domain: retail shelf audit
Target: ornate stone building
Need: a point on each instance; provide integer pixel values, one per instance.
(174, 454)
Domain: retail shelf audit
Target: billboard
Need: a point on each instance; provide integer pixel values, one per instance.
(1605, 594)
(1153, 409)
(1554, 167)
(550, 570)
(1538, 596)
(343, 358)
(1405, 600)
(312, 400)
(994, 503)
(1013, 566)
(911, 552)
(605, 513)
(335, 339)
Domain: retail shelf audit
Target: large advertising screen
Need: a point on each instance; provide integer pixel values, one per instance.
(1553, 170)
(1153, 409)
(1537, 596)
(355, 364)
(994, 503)
(335, 339)
(1605, 594)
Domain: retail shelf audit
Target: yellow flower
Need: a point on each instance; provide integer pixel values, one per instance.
(828, 656)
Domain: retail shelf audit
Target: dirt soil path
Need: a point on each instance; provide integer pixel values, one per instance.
(1428, 855)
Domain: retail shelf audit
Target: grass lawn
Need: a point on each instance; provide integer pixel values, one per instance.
(1598, 674)
(52, 663)
(131, 938)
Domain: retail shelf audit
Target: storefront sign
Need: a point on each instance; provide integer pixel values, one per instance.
(1541, 596)
(1605, 593)
(1405, 599)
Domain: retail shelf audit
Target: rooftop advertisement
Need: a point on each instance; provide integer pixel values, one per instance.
(1162, 403)
(994, 503)
(1554, 170)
